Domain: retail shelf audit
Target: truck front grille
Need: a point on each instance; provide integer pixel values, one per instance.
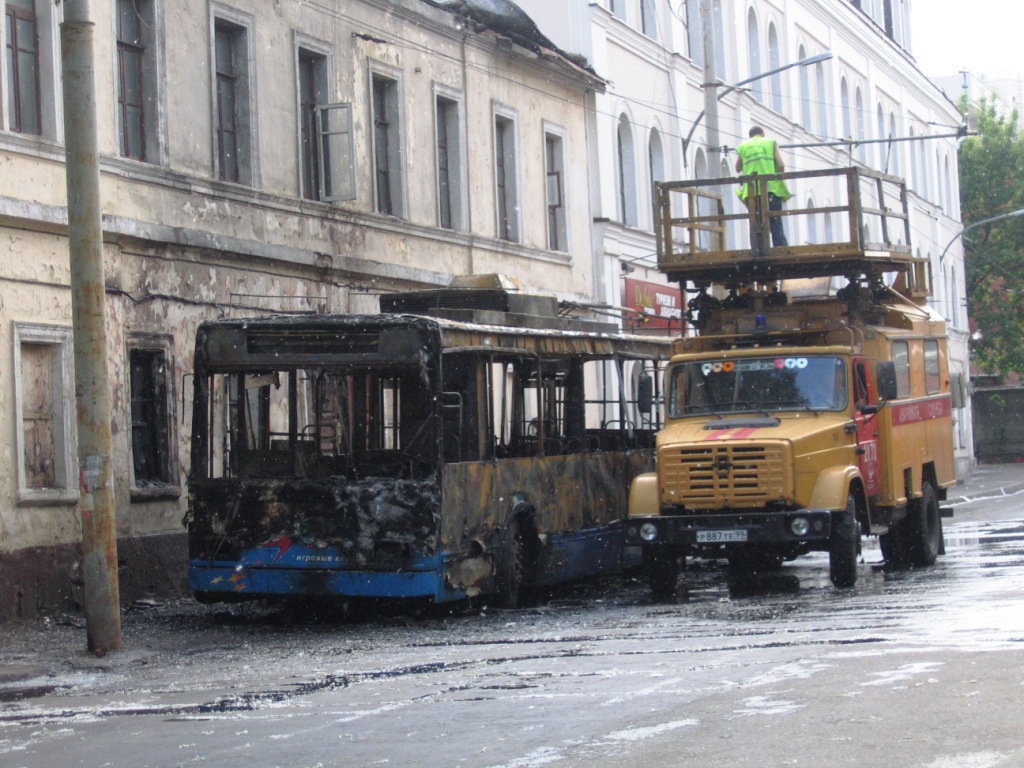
(723, 475)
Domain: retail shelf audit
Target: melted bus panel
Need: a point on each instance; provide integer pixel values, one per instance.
(405, 456)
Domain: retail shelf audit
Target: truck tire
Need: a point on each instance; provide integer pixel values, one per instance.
(844, 546)
(662, 570)
(924, 528)
(893, 549)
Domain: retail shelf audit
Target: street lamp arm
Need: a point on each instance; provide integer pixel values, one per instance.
(969, 227)
(806, 62)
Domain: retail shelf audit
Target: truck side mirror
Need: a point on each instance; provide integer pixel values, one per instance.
(885, 376)
(645, 393)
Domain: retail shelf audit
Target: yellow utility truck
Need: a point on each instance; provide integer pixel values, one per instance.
(810, 403)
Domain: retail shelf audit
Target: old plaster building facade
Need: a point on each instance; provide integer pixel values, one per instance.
(255, 156)
(861, 84)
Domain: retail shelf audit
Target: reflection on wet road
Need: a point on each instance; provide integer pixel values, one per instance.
(591, 674)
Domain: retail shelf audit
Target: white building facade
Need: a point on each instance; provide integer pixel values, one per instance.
(867, 89)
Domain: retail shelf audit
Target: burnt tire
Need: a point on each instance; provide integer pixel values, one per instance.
(923, 531)
(844, 546)
(662, 570)
(511, 571)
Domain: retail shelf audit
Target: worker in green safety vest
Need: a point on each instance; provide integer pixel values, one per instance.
(758, 155)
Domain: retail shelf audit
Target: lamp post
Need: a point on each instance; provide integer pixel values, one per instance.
(969, 227)
(711, 98)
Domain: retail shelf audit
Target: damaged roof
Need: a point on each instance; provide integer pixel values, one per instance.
(505, 18)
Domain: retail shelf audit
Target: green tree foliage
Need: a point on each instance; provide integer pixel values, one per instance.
(991, 185)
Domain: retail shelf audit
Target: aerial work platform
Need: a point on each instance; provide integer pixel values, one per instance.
(706, 234)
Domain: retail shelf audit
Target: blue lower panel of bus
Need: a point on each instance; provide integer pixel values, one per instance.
(228, 578)
(288, 568)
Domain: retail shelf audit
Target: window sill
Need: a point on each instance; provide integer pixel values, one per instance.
(155, 493)
(47, 497)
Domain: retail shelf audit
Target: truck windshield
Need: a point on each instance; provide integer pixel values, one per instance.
(761, 384)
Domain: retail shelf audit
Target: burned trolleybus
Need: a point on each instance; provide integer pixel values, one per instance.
(420, 453)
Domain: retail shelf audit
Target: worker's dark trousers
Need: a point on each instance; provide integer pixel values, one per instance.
(778, 233)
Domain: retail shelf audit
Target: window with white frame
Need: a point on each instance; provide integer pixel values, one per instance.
(883, 146)
(151, 416)
(862, 127)
(554, 166)
(694, 33)
(821, 87)
(648, 19)
(844, 102)
(626, 156)
(389, 183)
(806, 114)
(655, 162)
(775, 62)
(32, 78)
(754, 53)
(234, 125)
(44, 391)
(506, 174)
(451, 160)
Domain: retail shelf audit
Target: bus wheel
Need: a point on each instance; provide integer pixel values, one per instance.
(662, 573)
(844, 546)
(512, 567)
(924, 528)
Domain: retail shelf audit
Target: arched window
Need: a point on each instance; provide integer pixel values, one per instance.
(754, 52)
(883, 146)
(822, 98)
(926, 182)
(805, 91)
(912, 175)
(812, 224)
(700, 171)
(627, 173)
(774, 62)
(894, 148)
(844, 102)
(939, 187)
(948, 178)
(862, 128)
(655, 161)
(954, 304)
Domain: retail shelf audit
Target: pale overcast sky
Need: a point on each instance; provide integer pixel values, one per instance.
(981, 36)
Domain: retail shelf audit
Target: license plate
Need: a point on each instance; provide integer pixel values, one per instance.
(720, 537)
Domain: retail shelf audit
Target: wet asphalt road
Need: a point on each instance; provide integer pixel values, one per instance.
(916, 669)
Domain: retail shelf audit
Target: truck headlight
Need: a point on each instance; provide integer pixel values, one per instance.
(799, 526)
(648, 531)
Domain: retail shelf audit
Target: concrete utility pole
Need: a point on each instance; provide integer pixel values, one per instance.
(88, 307)
(714, 143)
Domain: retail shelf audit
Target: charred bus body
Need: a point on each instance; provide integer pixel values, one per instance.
(807, 411)
(415, 455)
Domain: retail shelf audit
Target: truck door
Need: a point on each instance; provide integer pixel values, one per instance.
(867, 427)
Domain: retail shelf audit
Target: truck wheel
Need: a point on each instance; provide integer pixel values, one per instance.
(893, 549)
(844, 547)
(662, 573)
(511, 572)
(744, 562)
(924, 528)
